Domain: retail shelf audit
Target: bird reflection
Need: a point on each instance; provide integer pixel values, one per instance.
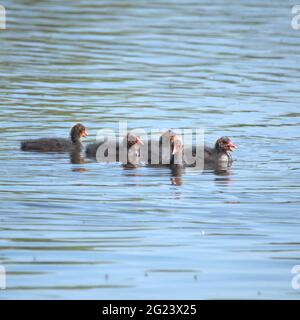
(223, 174)
(76, 157)
(176, 172)
(129, 166)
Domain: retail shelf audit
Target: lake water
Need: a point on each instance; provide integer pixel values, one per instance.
(95, 230)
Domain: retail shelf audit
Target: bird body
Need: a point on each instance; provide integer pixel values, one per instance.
(57, 144)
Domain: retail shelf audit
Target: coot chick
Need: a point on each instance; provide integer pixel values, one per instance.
(57, 144)
(221, 151)
(130, 154)
(165, 151)
(128, 151)
(218, 156)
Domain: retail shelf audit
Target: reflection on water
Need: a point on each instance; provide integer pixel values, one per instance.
(223, 174)
(76, 157)
(176, 172)
(74, 228)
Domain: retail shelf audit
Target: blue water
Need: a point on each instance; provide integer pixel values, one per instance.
(97, 231)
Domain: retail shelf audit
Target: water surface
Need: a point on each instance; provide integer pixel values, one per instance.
(98, 231)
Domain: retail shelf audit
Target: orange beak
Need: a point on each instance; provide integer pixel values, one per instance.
(139, 140)
(84, 133)
(176, 148)
(230, 146)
